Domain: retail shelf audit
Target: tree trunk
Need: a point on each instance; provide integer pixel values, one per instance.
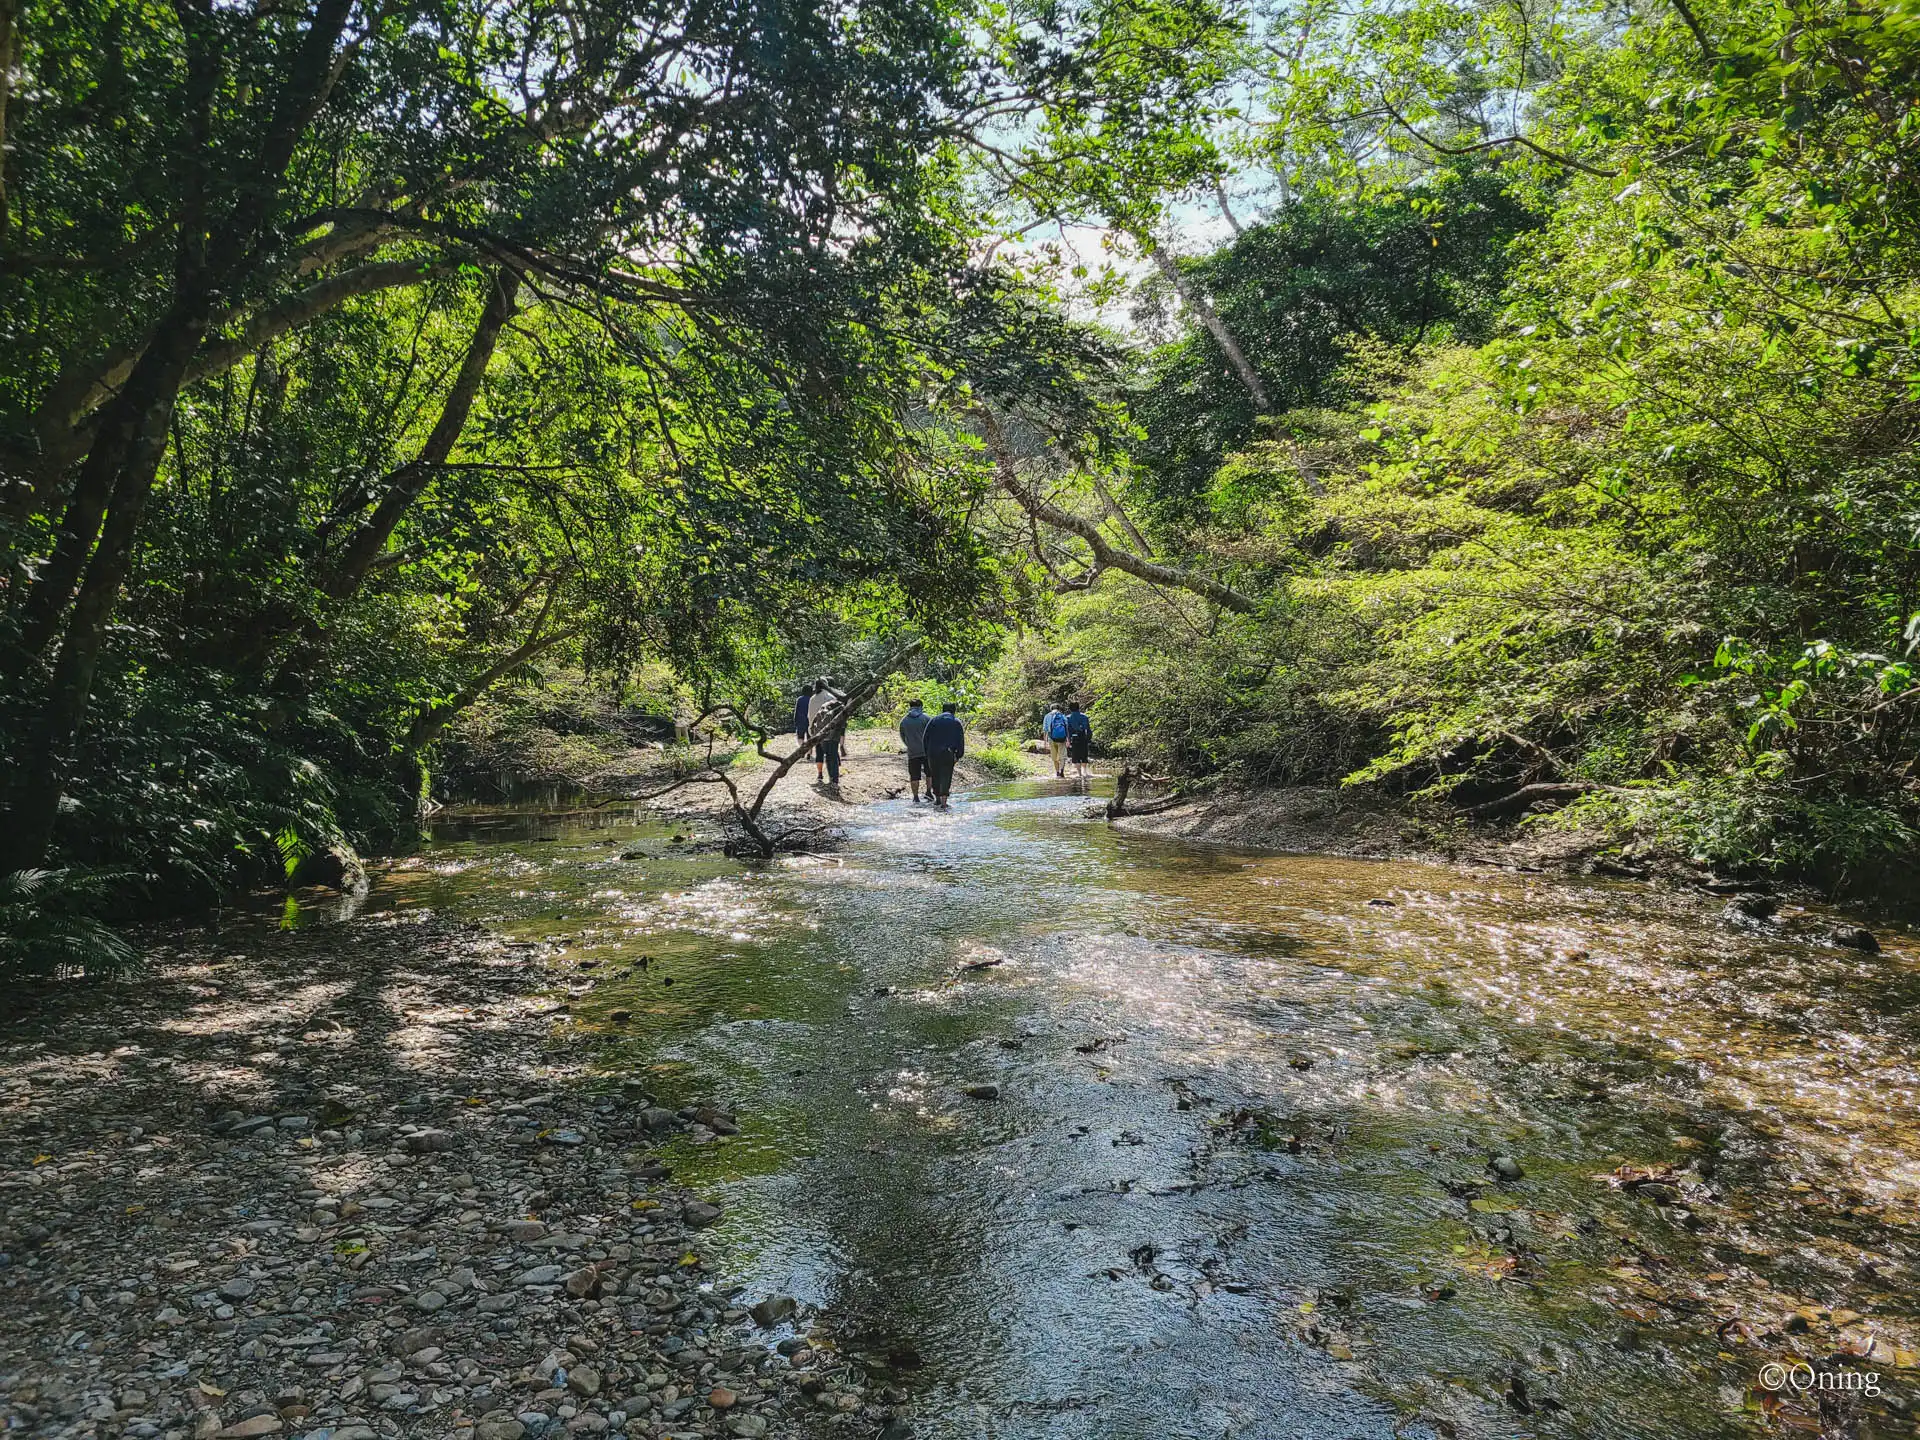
(123, 472)
(430, 720)
(65, 423)
(8, 10)
(1215, 326)
(363, 548)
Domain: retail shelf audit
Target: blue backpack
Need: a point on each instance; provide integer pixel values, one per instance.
(1057, 727)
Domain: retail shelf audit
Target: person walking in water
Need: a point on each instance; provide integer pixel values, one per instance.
(1079, 739)
(800, 707)
(913, 735)
(1053, 730)
(828, 726)
(946, 743)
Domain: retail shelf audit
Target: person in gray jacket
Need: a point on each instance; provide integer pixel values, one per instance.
(913, 735)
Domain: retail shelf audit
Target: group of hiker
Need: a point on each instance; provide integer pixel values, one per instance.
(934, 743)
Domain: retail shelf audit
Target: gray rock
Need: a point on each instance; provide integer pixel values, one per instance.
(238, 1288)
(699, 1214)
(584, 1381)
(1506, 1167)
(750, 1427)
(982, 1092)
(499, 1426)
(497, 1304)
(429, 1142)
(540, 1275)
(525, 1230)
(655, 1118)
(429, 1301)
(774, 1309)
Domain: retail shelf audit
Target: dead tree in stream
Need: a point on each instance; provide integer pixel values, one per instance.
(755, 839)
(1120, 806)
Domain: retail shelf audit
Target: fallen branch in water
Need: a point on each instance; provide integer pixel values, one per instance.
(1558, 792)
(1119, 809)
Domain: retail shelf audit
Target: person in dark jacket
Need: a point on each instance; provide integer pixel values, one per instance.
(913, 735)
(827, 723)
(1079, 739)
(946, 743)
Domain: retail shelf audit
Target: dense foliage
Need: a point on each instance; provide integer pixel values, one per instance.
(1545, 439)
(1652, 544)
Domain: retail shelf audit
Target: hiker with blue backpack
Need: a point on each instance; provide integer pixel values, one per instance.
(1079, 739)
(1053, 730)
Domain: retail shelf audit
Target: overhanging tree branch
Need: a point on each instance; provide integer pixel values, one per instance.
(1542, 151)
(1106, 555)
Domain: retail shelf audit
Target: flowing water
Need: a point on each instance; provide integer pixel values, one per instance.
(1236, 1180)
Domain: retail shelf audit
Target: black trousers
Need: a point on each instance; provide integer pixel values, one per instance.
(916, 767)
(940, 770)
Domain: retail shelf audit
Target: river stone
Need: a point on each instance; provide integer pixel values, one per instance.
(982, 1092)
(1506, 1167)
(771, 1311)
(540, 1275)
(699, 1214)
(1855, 937)
(584, 1381)
(429, 1142)
(499, 1426)
(580, 1282)
(721, 1398)
(253, 1426)
(238, 1288)
(525, 1230)
(749, 1427)
(429, 1301)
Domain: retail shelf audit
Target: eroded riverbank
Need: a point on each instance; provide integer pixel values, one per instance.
(1237, 1174)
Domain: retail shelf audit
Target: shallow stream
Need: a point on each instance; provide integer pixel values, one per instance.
(1236, 1178)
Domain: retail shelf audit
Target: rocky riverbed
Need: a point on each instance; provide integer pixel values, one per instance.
(352, 1182)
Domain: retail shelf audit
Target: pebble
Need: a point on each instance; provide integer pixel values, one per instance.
(982, 1092)
(389, 1291)
(1506, 1167)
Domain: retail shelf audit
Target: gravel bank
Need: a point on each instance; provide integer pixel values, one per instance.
(351, 1182)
